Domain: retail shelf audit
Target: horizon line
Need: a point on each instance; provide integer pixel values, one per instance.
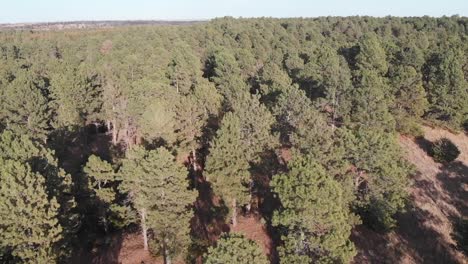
(208, 19)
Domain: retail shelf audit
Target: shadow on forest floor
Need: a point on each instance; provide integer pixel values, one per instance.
(438, 198)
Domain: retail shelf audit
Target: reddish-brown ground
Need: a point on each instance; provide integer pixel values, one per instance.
(252, 228)
(438, 197)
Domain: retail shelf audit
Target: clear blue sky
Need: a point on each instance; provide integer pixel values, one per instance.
(13, 11)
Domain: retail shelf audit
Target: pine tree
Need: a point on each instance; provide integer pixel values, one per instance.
(158, 121)
(29, 223)
(256, 124)
(326, 77)
(101, 180)
(371, 99)
(235, 249)
(24, 107)
(76, 97)
(314, 213)
(371, 55)
(58, 184)
(381, 177)
(158, 189)
(226, 166)
(300, 124)
(410, 99)
(184, 68)
(447, 87)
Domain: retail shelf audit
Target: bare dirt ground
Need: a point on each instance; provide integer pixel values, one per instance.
(252, 228)
(438, 197)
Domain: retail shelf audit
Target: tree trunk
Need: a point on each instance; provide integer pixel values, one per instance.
(234, 212)
(194, 160)
(127, 135)
(167, 256)
(144, 229)
(334, 111)
(114, 133)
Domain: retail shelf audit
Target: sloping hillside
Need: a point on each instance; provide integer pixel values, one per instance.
(438, 198)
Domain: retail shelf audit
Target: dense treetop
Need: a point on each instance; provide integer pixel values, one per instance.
(142, 117)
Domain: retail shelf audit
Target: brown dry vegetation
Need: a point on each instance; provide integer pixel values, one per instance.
(438, 197)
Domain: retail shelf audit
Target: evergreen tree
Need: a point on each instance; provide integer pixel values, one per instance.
(25, 108)
(381, 178)
(101, 180)
(226, 166)
(447, 87)
(76, 97)
(326, 77)
(371, 99)
(256, 125)
(235, 249)
(303, 127)
(410, 99)
(371, 55)
(157, 187)
(29, 223)
(314, 213)
(58, 184)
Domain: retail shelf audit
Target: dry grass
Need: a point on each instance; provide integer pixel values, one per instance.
(438, 197)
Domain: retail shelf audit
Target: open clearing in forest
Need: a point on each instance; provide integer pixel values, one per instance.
(438, 198)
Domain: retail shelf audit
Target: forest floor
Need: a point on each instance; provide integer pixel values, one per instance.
(127, 248)
(425, 232)
(438, 199)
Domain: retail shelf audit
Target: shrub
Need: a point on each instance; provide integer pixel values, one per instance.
(444, 151)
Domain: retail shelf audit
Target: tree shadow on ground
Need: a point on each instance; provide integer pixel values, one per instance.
(454, 179)
(425, 244)
(412, 241)
(265, 202)
(460, 234)
(209, 220)
(424, 144)
(73, 146)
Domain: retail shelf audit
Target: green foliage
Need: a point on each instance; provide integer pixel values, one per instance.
(76, 97)
(300, 124)
(157, 185)
(371, 55)
(314, 213)
(102, 184)
(410, 99)
(255, 126)
(29, 221)
(24, 107)
(447, 87)
(444, 151)
(334, 89)
(226, 166)
(381, 177)
(235, 249)
(158, 121)
(371, 100)
(58, 185)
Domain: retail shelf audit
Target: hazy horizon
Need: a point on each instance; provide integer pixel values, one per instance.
(28, 11)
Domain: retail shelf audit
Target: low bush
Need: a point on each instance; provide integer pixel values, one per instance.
(444, 151)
